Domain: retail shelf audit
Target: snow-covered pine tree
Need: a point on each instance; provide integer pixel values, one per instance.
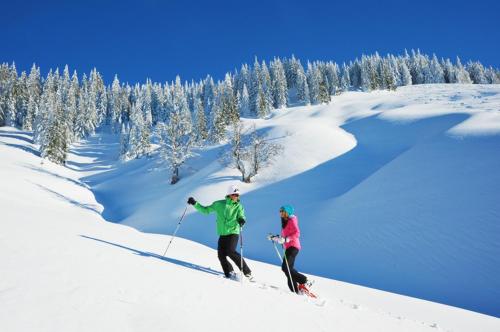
(279, 85)
(332, 76)
(97, 101)
(81, 127)
(388, 75)
(72, 107)
(393, 63)
(435, 73)
(266, 90)
(22, 100)
(139, 134)
(218, 128)
(244, 102)
(262, 103)
(313, 81)
(476, 72)
(175, 137)
(124, 140)
(228, 101)
(4, 83)
(201, 120)
(449, 73)
(417, 63)
(491, 76)
(208, 92)
(324, 95)
(242, 79)
(10, 96)
(34, 93)
(116, 104)
(56, 144)
(302, 87)
(365, 77)
(461, 73)
(254, 87)
(345, 79)
(404, 72)
(355, 74)
(42, 116)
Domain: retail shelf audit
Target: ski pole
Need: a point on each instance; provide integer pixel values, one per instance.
(241, 253)
(286, 262)
(175, 232)
(277, 251)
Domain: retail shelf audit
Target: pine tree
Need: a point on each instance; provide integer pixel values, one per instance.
(244, 102)
(201, 120)
(266, 87)
(22, 100)
(449, 72)
(218, 128)
(175, 137)
(34, 93)
(255, 87)
(313, 82)
(461, 73)
(476, 73)
(279, 85)
(324, 95)
(10, 97)
(57, 142)
(436, 73)
(405, 75)
(345, 79)
(43, 115)
(228, 100)
(491, 76)
(302, 87)
(82, 126)
(72, 107)
(262, 104)
(332, 76)
(138, 135)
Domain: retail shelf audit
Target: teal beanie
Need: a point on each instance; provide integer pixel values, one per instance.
(288, 209)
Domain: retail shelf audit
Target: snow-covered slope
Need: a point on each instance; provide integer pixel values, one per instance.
(395, 190)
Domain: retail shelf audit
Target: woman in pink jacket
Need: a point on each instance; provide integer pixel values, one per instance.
(289, 238)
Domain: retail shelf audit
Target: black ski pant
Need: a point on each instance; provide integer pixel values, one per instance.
(227, 247)
(297, 278)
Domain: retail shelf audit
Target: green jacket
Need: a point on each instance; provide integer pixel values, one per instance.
(228, 213)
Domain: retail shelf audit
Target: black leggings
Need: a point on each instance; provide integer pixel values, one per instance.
(227, 247)
(298, 278)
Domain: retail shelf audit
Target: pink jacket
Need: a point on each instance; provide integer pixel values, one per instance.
(292, 233)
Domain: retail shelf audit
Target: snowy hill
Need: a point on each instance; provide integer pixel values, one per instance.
(394, 190)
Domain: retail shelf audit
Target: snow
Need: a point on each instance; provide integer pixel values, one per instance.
(393, 190)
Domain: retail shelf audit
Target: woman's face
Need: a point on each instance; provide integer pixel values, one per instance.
(283, 213)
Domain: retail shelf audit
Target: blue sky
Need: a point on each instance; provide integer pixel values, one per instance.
(159, 39)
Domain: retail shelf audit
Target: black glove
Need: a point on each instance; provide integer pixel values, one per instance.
(191, 201)
(241, 221)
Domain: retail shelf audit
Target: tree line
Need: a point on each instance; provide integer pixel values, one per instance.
(63, 108)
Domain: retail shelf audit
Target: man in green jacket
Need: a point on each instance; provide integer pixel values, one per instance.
(230, 220)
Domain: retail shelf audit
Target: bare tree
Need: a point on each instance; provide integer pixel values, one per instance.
(250, 151)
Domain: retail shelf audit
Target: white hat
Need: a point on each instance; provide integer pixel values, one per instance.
(233, 189)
